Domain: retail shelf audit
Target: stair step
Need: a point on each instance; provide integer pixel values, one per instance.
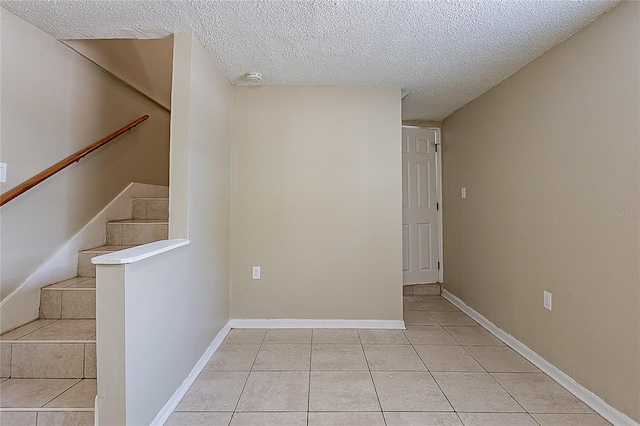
(85, 267)
(70, 299)
(48, 349)
(47, 401)
(151, 208)
(136, 231)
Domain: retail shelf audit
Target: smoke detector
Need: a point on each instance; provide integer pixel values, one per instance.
(253, 77)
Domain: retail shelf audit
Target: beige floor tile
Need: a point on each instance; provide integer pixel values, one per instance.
(90, 364)
(475, 392)
(275, 391)
(25, 329)
(77, 418)
(418, 318)
(473, 336)
(64, 330)
(538, 393)
(570, 420)
(68, 283)
(338, 357)
(198, 418)
(214, 391)
(283, 356)
(429, 335)
(3, 379)
(435, 305)
(47, 360)
(499, 359)
(18, 418)
(409, 304)
(426, 289)
(497, 419)
(5, 359)
(87, 282)
(26, 393)
(78, 304)
(81, 395)
(342, 391)
(269, 419)
(421, 419)
(240, 336)
(453, 318)
(447, 358)
(341, 419)
(233, 358)
(393, 358)
(327, 335)
(409, 391)
(50, 303)
(423, 297)
(157, 209)
(288, 335)
(383, 337)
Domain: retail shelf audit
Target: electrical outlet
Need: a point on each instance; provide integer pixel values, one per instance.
(547, 300)
(463, 192)
(256, 272)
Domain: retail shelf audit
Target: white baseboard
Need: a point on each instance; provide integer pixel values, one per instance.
(172, 403)
(316, 323)
(23, 304)
(585, 395)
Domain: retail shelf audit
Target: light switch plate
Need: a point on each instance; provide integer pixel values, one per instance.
(256, 272)
(3, 172)
(463, 192)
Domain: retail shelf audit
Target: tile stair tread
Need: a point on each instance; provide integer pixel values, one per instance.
(152, 198)
(68, 330)
(58, 394)
(106, 249)
(142, 221)
(73, 284)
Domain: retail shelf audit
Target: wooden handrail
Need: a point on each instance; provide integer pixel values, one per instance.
(28, 184)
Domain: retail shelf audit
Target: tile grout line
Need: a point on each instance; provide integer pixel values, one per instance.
(247, 379)
(375, 389)
(482, 366)
(48, 402)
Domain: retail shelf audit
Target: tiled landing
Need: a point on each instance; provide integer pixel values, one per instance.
(443, 370)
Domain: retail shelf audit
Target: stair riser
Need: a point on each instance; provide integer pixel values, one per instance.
(68, 304)
(85, 267)
(151, 209)
(136, 233)
(49, 360)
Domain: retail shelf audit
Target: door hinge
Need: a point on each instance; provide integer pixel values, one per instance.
(438, 266)
(437, 206)
(436, 145)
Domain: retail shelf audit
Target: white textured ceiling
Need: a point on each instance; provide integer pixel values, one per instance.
(444, 52)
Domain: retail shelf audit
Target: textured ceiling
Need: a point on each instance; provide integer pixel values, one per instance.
(444, 52)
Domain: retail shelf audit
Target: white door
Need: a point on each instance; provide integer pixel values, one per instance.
(420, 207)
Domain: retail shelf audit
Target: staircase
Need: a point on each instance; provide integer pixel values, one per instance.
(48, 366)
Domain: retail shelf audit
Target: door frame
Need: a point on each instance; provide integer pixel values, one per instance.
(438, 143)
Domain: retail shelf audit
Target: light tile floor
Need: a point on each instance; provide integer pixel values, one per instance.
(443, 370)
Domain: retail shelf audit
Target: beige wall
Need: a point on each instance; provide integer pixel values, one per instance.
(544, 156)
(144, 64)
(55, 102)
(316, 203)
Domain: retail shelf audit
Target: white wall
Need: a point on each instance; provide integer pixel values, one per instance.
(316, 203)
(55, 102)
(201, 180)
(175, 302)
(550, 157)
